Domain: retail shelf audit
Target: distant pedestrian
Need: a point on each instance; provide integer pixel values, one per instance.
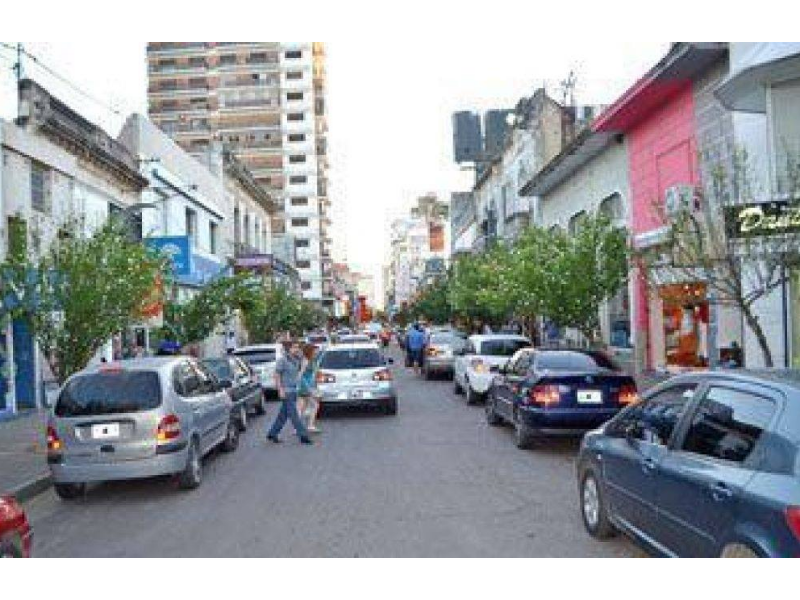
(288, 370)
(416, 346)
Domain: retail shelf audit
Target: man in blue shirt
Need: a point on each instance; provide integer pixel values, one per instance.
(415, 343)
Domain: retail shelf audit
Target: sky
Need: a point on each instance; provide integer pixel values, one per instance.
(390, 108)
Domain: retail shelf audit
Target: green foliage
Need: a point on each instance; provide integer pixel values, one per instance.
(433, 303)
(545, 273)
(276, 310)
(195, 320)
(81, 292)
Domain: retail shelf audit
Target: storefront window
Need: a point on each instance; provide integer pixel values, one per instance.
(685, 316)
(619, 316)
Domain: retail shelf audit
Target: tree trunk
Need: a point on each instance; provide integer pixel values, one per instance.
(755, 326)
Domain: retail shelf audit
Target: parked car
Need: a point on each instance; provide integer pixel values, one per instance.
(707, 465)
(137, 419)
(16, 535)
(242, 385)
(440, 353)
(549, 392)
(356, 375)
(480, 360)
(262, 359)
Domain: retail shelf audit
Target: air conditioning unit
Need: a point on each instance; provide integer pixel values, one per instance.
(681, 198)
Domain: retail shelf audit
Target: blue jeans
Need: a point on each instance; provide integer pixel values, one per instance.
(288, 412)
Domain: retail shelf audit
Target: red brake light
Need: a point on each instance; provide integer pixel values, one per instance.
(54, 443)
(545, 395)
(168, 429)
(325, 377)
(628, 395)
(384, 375)
(793, 520)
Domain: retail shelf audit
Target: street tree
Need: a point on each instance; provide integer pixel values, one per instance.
(81, 291)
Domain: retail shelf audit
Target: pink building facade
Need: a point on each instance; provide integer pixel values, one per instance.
(661, 119)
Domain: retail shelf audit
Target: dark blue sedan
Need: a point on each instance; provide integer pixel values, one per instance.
(707, 465)
(561, 392)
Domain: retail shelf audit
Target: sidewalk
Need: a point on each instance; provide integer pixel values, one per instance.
(23, 465)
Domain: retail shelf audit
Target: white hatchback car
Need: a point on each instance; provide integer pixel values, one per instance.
(262, 359)
(481, 359)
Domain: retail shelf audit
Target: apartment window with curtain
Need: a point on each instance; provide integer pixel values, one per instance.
(213, 232)
(191, 225)
(40, 188)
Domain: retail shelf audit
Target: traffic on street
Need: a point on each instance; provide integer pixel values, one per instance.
(436, 299)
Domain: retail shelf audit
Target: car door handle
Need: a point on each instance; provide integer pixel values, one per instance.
(721, 492)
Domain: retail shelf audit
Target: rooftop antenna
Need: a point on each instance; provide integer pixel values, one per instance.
(568, 90)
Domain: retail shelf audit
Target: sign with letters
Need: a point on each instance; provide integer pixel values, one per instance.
(762, 219)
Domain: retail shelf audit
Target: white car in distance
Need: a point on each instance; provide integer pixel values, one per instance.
(481, 358)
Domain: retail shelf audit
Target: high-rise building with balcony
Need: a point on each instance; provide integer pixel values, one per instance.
(265, 101)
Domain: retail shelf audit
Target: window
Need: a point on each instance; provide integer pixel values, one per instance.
(573, 361)
(303, 264)
(227, 59)
(297, 159)
(293, 96)
(577, 221)
(522, 365)
(299, 222)
(728, 424)
(297, 137)
(503, 347)
(296, 117)
(294, 54)
(298, 179)
(654, 421)
(300, 201)
(191, 225)
(345, 360)
(306, 286)
(213, 229)
(302, 243)
(40, 190)
(294, 75)
(110, 394)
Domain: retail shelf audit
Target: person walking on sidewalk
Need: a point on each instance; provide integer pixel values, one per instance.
(287, 379)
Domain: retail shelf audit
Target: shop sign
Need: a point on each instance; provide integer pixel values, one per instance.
(769, 218)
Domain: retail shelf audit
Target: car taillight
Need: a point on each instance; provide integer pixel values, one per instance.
(793, 520)
(545, 395)
(628, 395)
(325, 378)
(434, 352)
(168, 429)
(54, 443)
(384, 375)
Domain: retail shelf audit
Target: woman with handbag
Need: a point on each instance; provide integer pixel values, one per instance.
(308, 394)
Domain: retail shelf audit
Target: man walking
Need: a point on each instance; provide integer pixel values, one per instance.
(287, 378)
(416, 346)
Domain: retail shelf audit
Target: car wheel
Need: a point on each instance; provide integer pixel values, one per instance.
(192, 475)
(593, 507)
(523, 437)
(738, 551)
(231, 441)
(473, 397)
(70, 491)
(391, 407)
(492, 418)
(242, 420)
(261, 405)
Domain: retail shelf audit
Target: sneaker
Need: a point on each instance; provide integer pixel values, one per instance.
(307, 441)
(314, 430)
(274, 439)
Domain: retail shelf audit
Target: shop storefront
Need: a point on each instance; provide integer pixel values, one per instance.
(685, 326)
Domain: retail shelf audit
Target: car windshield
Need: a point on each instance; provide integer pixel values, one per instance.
(574, 361)
(446, 339)
(258, 357)
(340, 360)
(110, 394)
(503, 347)
(221, 368)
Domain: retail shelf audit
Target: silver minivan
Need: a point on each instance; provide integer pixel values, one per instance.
(137, 419)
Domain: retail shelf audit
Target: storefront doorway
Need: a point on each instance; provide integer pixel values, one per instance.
(685, 313)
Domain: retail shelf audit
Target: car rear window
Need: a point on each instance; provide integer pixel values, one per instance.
(503, 347)
(340, 360)
(110, 394)
(220, 368)
(356, 339)
(259, 357)
(574, 361)
(317, 339)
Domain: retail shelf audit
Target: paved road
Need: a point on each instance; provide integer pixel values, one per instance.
(435, 481)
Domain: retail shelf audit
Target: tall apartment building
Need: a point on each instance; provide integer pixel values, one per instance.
(265, 101)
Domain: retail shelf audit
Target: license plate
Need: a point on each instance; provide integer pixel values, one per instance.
(106, 431)
(360, 395)
(590, 397)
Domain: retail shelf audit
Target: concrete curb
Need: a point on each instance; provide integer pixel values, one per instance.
(28, 491)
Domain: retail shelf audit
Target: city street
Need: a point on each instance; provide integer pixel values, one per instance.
(435, 481)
